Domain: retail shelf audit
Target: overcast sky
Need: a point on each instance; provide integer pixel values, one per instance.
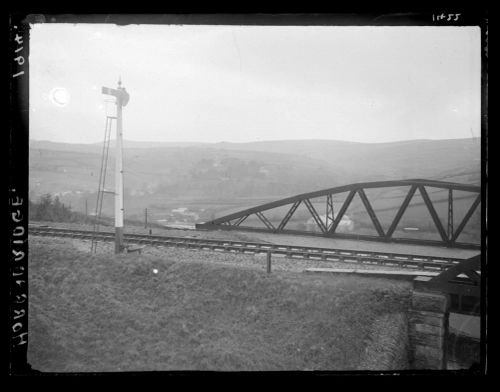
(249, 83)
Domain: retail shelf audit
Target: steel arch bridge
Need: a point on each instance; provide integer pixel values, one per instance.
(329, 227)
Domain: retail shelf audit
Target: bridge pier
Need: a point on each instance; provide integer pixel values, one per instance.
(428, 329)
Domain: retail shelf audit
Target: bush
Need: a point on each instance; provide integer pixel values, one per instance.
(51, 209)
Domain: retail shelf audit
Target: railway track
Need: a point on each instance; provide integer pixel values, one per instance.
(245, 247)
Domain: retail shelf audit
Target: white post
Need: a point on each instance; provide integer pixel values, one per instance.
(122, 98)
(119, 178)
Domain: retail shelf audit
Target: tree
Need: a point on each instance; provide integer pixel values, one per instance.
(50, 209)
(57, 209)
(44, 207)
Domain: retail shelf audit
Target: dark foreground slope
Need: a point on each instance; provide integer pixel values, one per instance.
(107, 313)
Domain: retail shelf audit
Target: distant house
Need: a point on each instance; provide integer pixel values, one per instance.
(345, 224)
(182, 214)
(264, 171)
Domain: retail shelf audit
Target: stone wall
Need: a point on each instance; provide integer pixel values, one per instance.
(428, 329)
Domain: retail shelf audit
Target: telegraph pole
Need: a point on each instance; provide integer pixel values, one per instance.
(119, 176)
(122, 98)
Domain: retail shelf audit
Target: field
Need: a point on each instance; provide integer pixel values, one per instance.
(213, 180)
(201, 311)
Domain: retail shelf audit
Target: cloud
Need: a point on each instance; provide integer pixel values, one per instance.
(238, 83)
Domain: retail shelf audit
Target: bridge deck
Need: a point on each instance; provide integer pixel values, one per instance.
(362, 245)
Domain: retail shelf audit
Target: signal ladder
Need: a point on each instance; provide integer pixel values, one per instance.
(101, 190)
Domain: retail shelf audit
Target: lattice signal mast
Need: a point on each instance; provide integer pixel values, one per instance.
(122, 98)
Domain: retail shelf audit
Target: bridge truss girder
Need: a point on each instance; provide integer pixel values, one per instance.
(448, 236)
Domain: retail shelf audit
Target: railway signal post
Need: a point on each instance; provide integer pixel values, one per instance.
(122, 98)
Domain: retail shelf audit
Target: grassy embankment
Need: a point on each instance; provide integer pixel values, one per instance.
(111, 313)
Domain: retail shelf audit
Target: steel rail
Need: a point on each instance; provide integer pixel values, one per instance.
(291, 251)
(346, 236)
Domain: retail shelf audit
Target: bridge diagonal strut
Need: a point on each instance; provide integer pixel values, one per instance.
(240, 221)
(370, 211)
(433, 213)
(450, 215)
(315, 215)
(342, 210)
(329, 212)
(401, 211)
(328, 225)
(264, 220)
(467, 217)
(458, 286)
(465, 267)
(288, 215)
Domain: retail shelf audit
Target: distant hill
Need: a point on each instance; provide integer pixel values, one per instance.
(97, 147)
(437, 159)
(404, 159)
(214, 178)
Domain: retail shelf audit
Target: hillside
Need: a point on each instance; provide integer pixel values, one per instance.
(214, 179)
(370, 161)
(405, 159)
(112, 313)
(167, 178)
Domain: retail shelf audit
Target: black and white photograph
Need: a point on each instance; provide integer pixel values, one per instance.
(235, 194)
